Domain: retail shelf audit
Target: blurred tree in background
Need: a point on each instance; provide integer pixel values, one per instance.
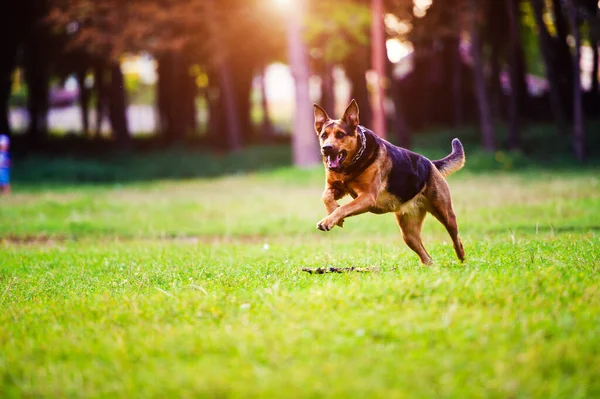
(485, 62)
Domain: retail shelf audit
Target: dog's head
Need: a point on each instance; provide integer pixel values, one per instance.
(338, 138)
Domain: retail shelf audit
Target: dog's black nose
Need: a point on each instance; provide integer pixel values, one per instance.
(327, 149)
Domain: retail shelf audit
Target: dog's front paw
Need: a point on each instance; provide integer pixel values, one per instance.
(326, 224)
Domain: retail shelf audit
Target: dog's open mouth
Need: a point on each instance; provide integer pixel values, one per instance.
(334, 162)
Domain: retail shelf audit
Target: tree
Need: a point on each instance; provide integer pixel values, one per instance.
(401, 126)
(118, 104)
(11, 35)
(494, 35)
(337, 34)
(578, 123)
(516, 73)
(562, 57)
(457, 85)
(100, 87)
(438, 64)
(378, 67)
(221, 63)
(267, 130)
(98, 30)
(594, 78)
(485, 115)
(304, 140)
(558, 110)
(37, 44)
(355, 65)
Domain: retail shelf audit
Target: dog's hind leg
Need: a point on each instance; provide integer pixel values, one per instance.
(438, 194)
(446, 216)
(410, 224)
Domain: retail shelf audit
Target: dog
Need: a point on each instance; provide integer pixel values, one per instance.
(383, 178)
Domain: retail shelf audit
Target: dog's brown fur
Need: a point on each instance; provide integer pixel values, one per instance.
(388, 175)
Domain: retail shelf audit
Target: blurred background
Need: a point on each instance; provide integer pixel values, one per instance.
(516, 79)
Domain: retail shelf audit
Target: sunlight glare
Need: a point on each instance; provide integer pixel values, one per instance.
(283, 3)
(420, 7)
(396, 50)
(425, 4)
(395, 25)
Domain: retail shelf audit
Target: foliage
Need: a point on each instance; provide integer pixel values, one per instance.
(336, 28)
(221, 45)
(18, 97)
(529, 40)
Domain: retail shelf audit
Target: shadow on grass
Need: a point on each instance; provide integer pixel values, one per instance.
(132, 166)
(543, 149)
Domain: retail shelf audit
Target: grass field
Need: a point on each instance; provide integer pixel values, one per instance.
(193, 288)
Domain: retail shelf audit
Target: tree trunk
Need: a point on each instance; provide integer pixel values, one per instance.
(378, 67)
(84, 101)
(228, 96)
(594, 78)
(328, 89)
(496, 93)
(37, 73)
(267, 131)
(187, 99)
(183, 102)
(578, 122)
(355, 68)
(216, 132)
(551, 72)
(118, 105)
(398, 122)
(497, 20)
(7, 65)
(164, 94)
(164, 88)
(37, 77)
(176, 95)
(11, 35)
(562, 57)
(402, 130)
(518, 86)
(559, 21)
(38, 80)
(221, 62)
(101, 95)
(305, 145)
(485, 114)
(242, 75)
(457, 87)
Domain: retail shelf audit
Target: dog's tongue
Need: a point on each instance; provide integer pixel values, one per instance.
(334, 162)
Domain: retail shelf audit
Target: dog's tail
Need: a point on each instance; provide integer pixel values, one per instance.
(454, 161)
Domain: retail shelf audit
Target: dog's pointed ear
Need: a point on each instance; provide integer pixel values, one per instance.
(320, 118)
(351, 114)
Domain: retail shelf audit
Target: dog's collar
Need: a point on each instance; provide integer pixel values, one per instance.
(365, 155)
(363, 146)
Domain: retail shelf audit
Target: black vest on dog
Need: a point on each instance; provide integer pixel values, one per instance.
(409, 170)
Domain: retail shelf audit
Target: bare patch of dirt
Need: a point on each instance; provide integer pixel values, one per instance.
(323, 270)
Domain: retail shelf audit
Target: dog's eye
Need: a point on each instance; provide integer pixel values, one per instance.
(339, 135)
(323, 136)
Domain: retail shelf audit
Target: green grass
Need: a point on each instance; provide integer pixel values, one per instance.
(193, 289)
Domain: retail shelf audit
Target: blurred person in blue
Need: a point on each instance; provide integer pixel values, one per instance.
(4, 164)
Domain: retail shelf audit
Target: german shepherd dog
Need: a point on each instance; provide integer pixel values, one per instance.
(383, 178)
